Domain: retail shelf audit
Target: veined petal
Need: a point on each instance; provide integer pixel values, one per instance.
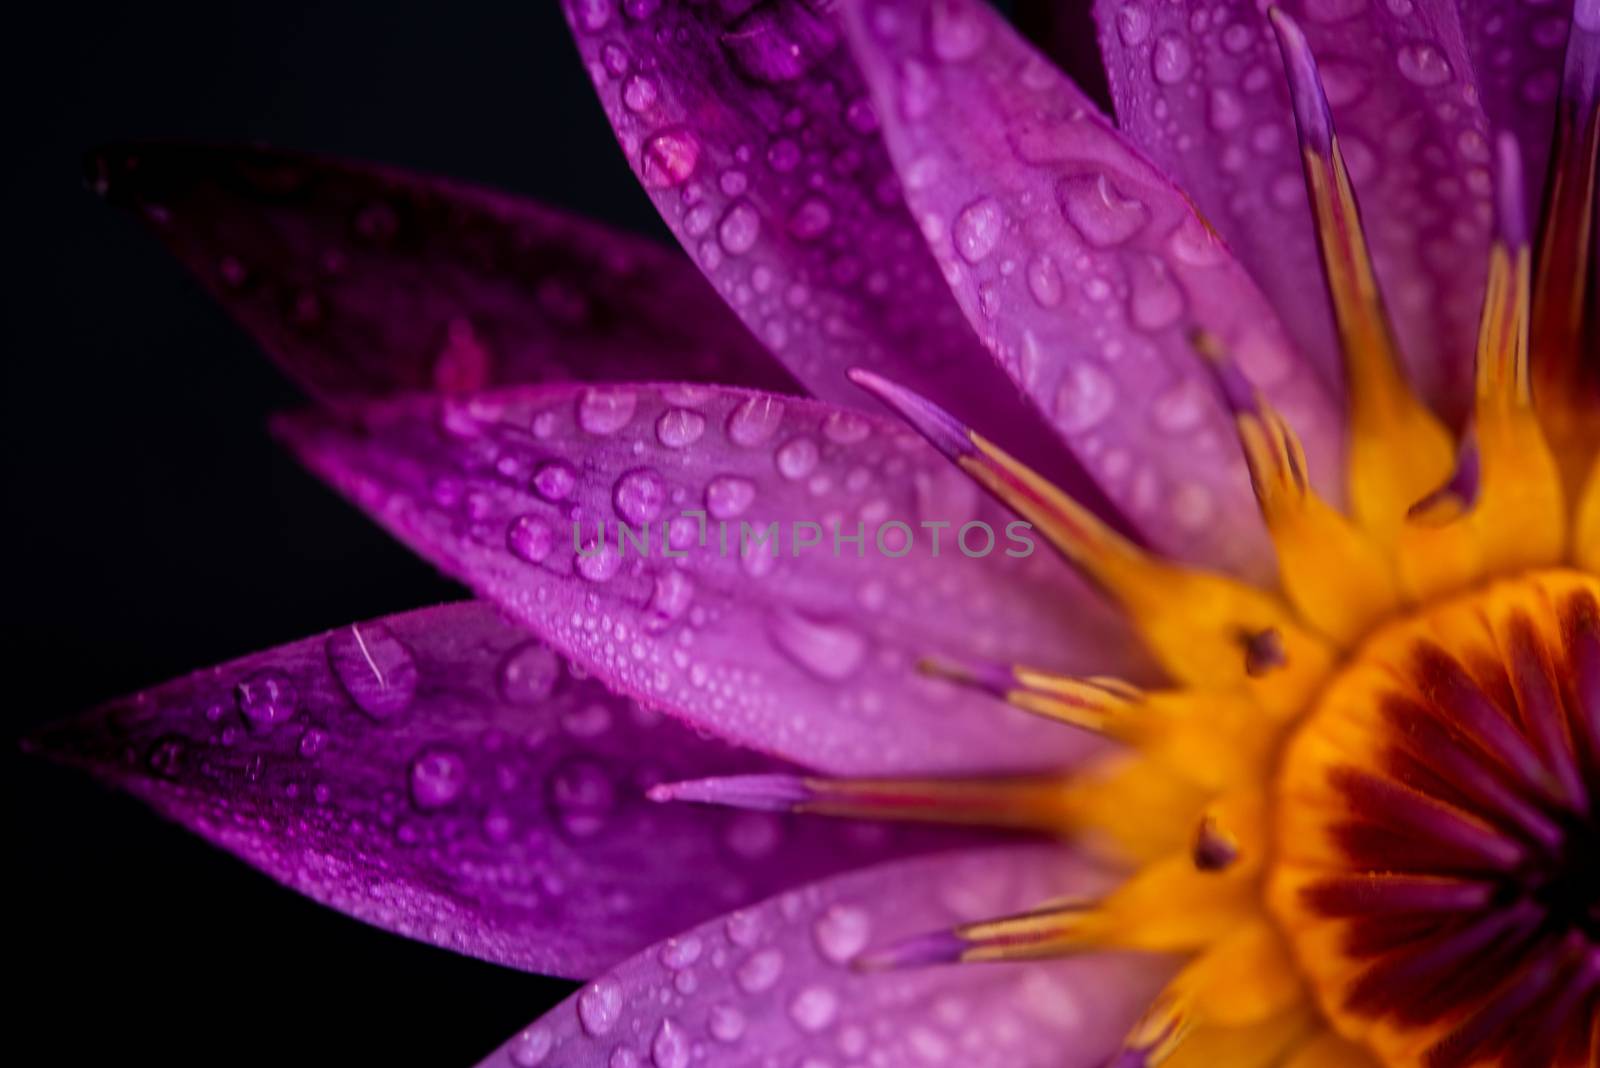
(740, 606)
(773, 984)
(755, 136)
(363, 280)
(1516, 53)
(1085, 270)
(1202, 89)
(445, 775)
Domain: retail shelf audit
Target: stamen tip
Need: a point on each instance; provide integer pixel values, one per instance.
(1264, 652)
(760, 793)
(942, 429)
(1510, 192)
(935, 947)
(1311, 112)
(1214, 848)
(1237, 392)
(991, 677)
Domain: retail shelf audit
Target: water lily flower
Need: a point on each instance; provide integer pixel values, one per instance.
(1284, 749)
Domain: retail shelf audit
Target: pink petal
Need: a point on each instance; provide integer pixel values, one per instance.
(363, 280)
(1201, 88)
(772, 984)
(1085, 270)
(1516, 52)
(443, 775)
(812, 657)
(753, 132)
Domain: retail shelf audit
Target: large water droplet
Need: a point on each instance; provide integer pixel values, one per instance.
(1044, 280)
(639, 495)
(375, 668)
(814, 1008)
(1154, 299)
(1133, 24)
(678, 428)
(670, 598)
(729, 496)
(739, 228)
(1084, 398)
(1170, 59)
(582, 796)
(668, 159)
(438, 776)
(670, 1047)
(725, 1023)
(760, 972)
(529, 674)
(600, 560)
(1098, 209)
(606, 411)
(830, 651)
(530, 538)
(978, 229)
(810, 219)
(555, 480)
(530, 1048)
(599, 1007)
(1423, 64)
(955, 31)
(755, 421)
(266, 699)
(797, 458)
(841, 932)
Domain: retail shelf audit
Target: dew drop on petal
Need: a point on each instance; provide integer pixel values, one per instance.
(530, 538)
(729, 496)
(755, 421)
(599, 1007)
(830, 651)
(678, 428)
(582, 797)
(606, 411)
(842, 932)
(1085, 397)
(437, 778)
(725, 1023)
(668, 159)
(760, 972)
(266, 699)
(814, 1008)
(739, 229)
(1170, 59)
(554, 480)
(796, 458)
(977, 229)
(1097, 208)
(375, 669)
(670, 1047)
(529, 674)
(639, 495)
(1423, 64)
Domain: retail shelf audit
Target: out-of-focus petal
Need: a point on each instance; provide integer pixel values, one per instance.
(364, 280)
(445, 775)
(1201, 87)
(1516, 51)
(754, 134)
(772, 984)
(1086, 272)
(811, 656)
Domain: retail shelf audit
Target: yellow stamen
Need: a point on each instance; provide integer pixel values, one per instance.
(1586, 530)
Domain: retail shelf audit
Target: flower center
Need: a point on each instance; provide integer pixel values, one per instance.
(1436, 861)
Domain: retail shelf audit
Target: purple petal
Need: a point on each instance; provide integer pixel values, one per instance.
(444, 775)
(810, 656)
(362, 280)
(1516, 52)
(772, 984)
(754, 134)
(1201, 88)
(1085, 270)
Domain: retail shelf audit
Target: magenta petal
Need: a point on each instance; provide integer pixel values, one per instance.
(753, 132)
(811, 656)
(772, 985)
(444, 775)
(1516, 52)
(1085, 270)
(1201, 88)
(364, 280)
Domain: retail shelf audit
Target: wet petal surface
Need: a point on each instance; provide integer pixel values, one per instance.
(772, 984)
(752, 611)
(447, 776)
(363, 280)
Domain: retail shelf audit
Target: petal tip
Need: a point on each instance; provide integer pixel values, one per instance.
(943, 431)
(1311, 111)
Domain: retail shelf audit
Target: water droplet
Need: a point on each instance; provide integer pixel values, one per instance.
(1085, 397)
(760, 972)
(725, 1023)
(1170, 59)
(599, 1007)
(1423, 64)
(1096, 207)
(739, 228)
(1154, 299)
(312, 742)
(670, 1047)
(1133, 24)
(678, 428)
(529, 1049)
(845, 428)
(830, 651)
(375, 668)
(529, 674)
(582, 796)
(606, 411)
(555, 480)
(728, 496)
(978, 229)
(780, 42)
(797, 458)
(438, 776)
(755, 421)
(530, 538)
(841, 932)
(669, 599)
(955, 31)
(599, 561)
(814, 1008)
(810, 219)
(668, 159)
(679, 953)
(1044, 281)
(266, 699)
(639, 495)
(639, 93)
(166, 757)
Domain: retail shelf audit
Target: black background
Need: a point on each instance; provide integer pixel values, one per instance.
(151, 528)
